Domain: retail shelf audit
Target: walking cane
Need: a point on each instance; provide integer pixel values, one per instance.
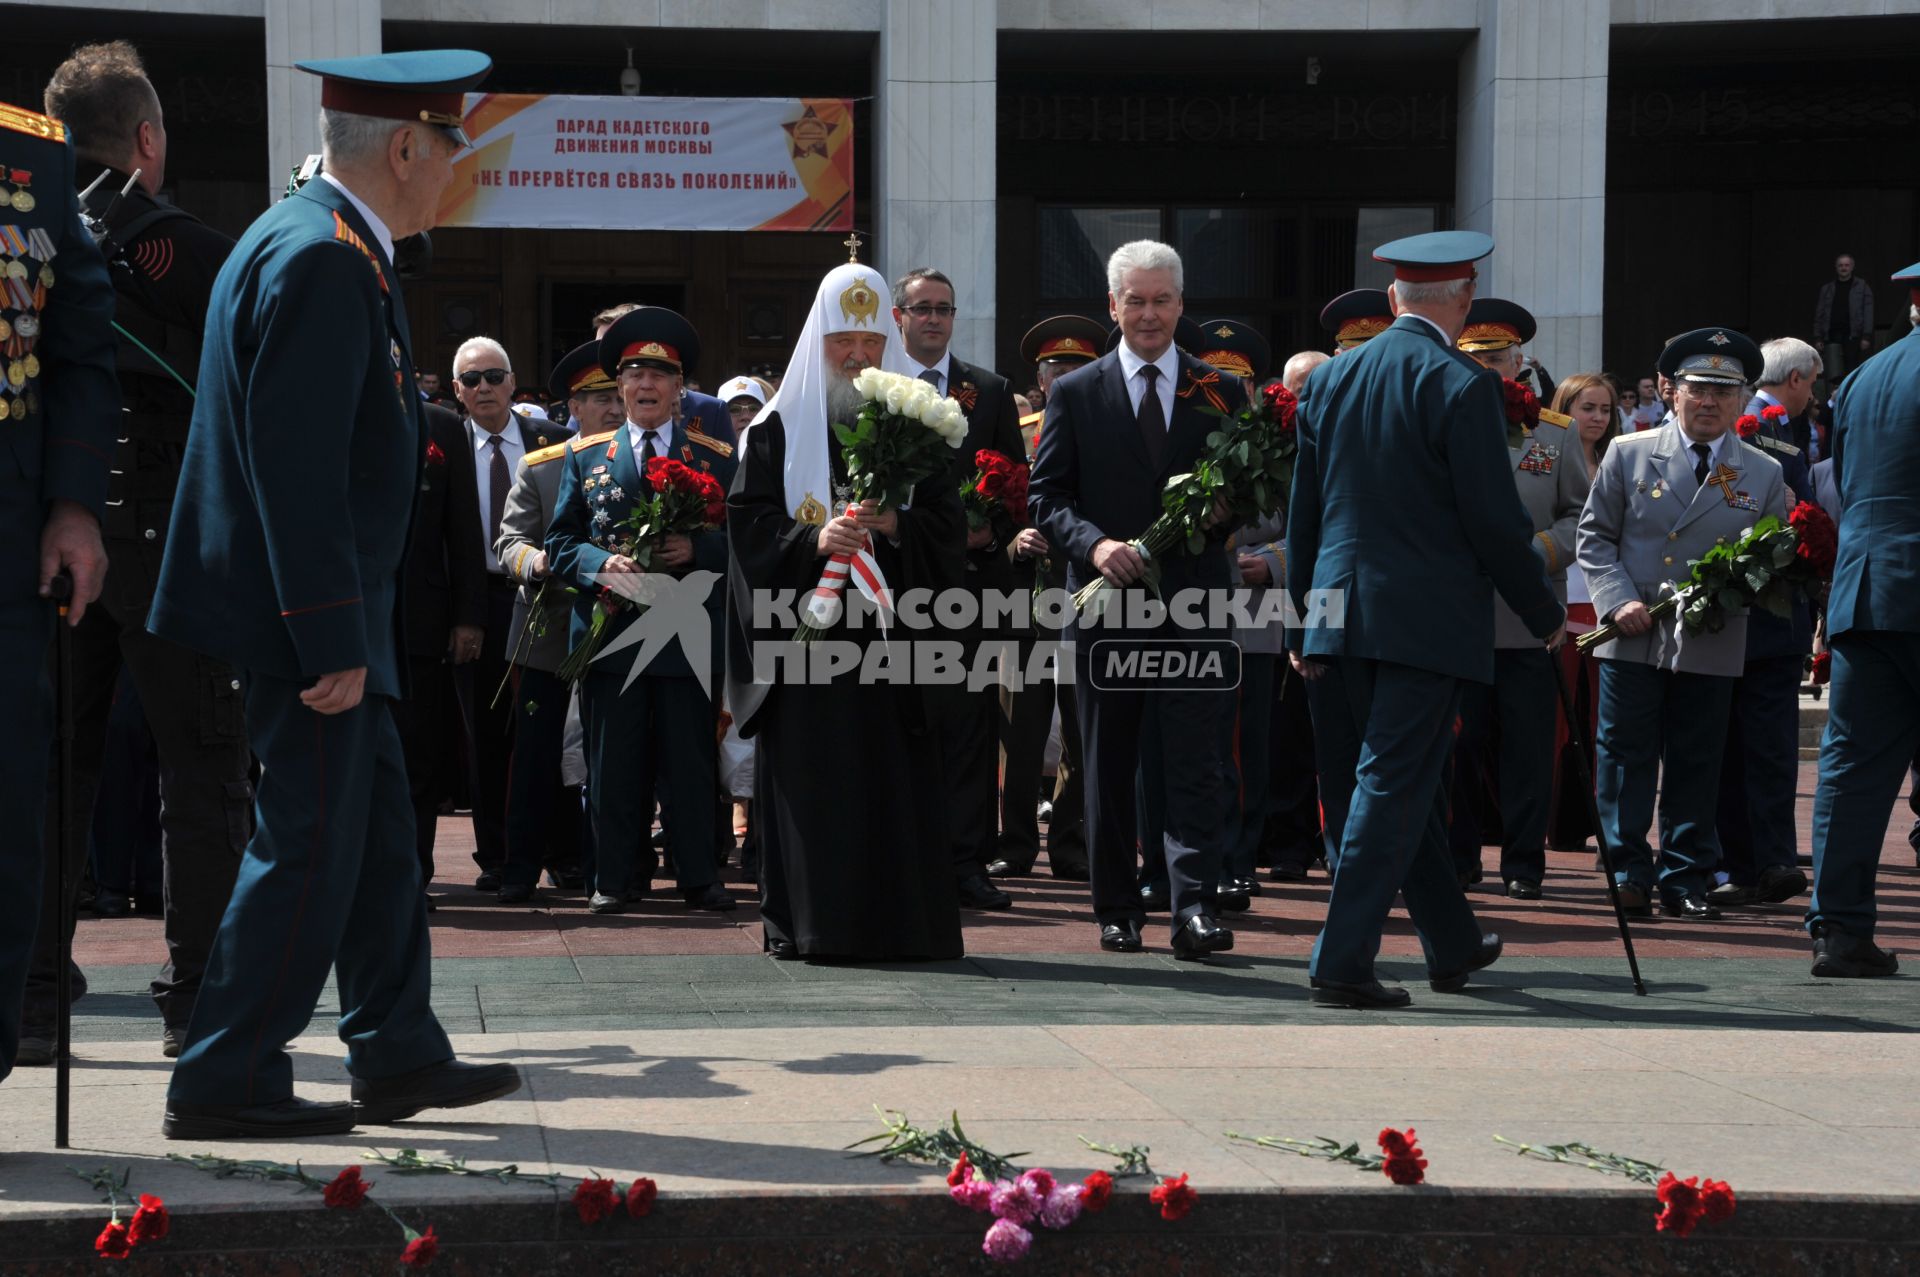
(1576, 736)
(61, 591)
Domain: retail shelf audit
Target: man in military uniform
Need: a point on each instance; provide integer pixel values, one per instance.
(539, 828)
(1661, 499)
(1053, 346)
(1507, 727)
(1873, 629)
(1409, 421)
(663, 723)
(163, 266)
(56, 309)
(923, 308)
(1759, 838)
(285, 556)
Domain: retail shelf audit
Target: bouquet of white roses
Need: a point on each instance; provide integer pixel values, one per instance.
(905, 432)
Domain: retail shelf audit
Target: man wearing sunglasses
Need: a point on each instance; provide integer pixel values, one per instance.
(499, 438)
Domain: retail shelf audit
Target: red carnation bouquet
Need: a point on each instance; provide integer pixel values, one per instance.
(685, 501)
(1748, 425)
(1523, 411)
(1247, 467)
(997, 484)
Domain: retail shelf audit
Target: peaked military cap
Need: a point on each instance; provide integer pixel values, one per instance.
(1493, 323)
(1063, 337)
(427, 85)
(1911, 278)
(1357, 317)
(579, 373)
(1231, 346)
(1435, 256)
(1719, 356)
(1186, 335)
(650, 337)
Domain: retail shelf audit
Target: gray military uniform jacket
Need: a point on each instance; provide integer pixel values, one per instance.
(1646, 520)
(1264, 540)
(523, 534)
(1550, 473)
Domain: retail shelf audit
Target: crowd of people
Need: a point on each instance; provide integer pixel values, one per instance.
(340, 601)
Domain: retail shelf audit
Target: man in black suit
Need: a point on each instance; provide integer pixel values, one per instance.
(446, 615)
(498, 437)
(923, 307)
(1115, 431)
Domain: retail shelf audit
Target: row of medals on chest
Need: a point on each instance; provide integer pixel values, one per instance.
(23, 292)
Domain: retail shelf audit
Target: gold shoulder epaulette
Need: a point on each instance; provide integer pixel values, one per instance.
(32, 122)
(548, 454)
(1780, 446)
(709, 442)
(1033, 418)
(586, 441)
(1552, 418)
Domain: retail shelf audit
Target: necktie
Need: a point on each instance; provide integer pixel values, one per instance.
(497, 481)
(932, 377)
(653, 444)
(1703, 452)
(1152, 418)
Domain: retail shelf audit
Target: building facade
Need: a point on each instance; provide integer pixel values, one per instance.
(1645, 166)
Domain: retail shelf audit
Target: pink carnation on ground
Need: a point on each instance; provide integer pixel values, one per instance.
(1016, 1200)
(974, 1194)
(1063, 1206)
(1006, 1242)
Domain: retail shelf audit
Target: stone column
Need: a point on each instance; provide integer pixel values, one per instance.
(1532, 166)
(934, 154)
(296, 31)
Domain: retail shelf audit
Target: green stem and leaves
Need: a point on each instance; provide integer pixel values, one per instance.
(1132, 1159)
(941, 1146)
(409, 1162)
(1593, 1159)
(1320, 1148)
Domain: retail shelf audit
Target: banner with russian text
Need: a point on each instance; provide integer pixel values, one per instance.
(617, 163)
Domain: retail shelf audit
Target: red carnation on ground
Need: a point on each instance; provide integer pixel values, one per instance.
(1747, 426)
(1174, 1197)
(1523, 406)
(1680, 1205)
(640, 1195)
(347, 1190)
(1819, 539)
(1404, 1163)
(1098, 1191)
(113, 1242)
(962, 1171)
(151, 1222)
(1716, 1201)
(593, 1198)
(421, 1248)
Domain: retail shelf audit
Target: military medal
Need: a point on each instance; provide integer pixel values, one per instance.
(20, 410)
(46, 275)
(28, 325)
(17, 373)
(22, 200)
(1655, 494)
(33, 365)
(16, 269)
(6, 330)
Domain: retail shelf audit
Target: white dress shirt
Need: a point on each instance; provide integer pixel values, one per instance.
(381, 235)
(513, 449)
(942, 370)
(637, 440)
(1168, 385)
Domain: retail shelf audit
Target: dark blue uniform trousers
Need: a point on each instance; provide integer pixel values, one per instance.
(1507, 729)
(1397, 730)
(1254, 740)
(1761, 772)
(1671, 729)
(534, 792)
(1192, 728)
(330, 880)
(663, 726)
(1873, 730)
(26, 623)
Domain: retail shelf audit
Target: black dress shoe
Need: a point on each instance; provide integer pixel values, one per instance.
(1199, 936)
(782, 950)
(1371, 996)
(291, 1118)
(712, 898)
(1069, 870)
(1732, 895)
(111, 904)
(1454, 981)
(1154, 897)
(604, 903)
(1841, 955)
(1693, 907)
(1470, 876)
(1251, 886)
(1288, 871)
(516, 893)
(1004, 868)
(566, 879)
(1229, 900)
(447, 1085)
(1781, 883)
(489, 880)
(172, 1039)
(1120, 937)
(1634, 900)
(36, 1049)
(977, 893)
(1523, 889)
